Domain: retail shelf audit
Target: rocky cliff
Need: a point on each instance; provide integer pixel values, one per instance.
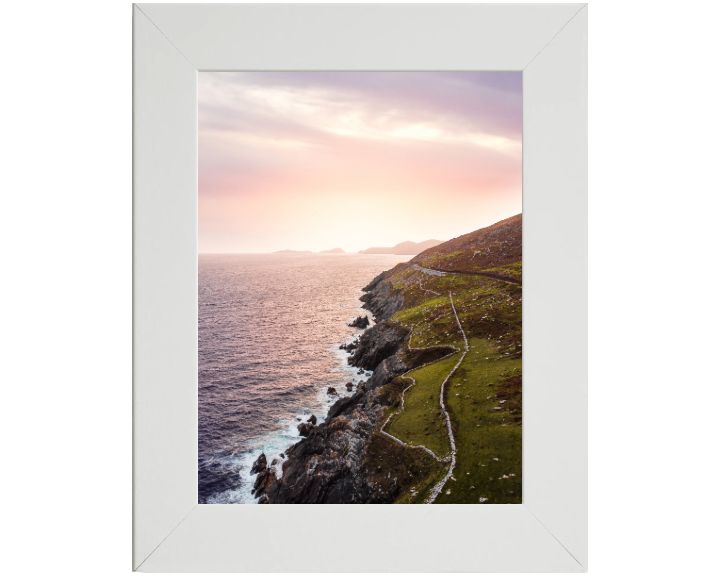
(329, 466)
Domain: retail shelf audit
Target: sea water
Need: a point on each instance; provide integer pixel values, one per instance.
(269, 331)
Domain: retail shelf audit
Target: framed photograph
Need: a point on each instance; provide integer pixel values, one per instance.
(360, 278)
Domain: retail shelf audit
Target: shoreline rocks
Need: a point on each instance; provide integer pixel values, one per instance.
(305, 429)
(360, 322)
(265, 481)
(350, 346)
(378, 343)
(328, 464)
(259, 465)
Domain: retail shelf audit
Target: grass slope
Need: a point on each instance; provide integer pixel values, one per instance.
(421, 423)
(488, 437)
(484, 396)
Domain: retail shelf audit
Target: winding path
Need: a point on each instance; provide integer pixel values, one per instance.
(439, 486)
(402, 408)
(427, 289)
(402, 402)
(437, 489)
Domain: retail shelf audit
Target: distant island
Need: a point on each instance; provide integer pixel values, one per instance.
(410, 248)
(404, 248)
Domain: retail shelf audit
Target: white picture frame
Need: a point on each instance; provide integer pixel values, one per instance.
(171, 531)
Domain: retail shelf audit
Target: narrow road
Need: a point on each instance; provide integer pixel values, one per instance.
(430, 271)
(491, 275)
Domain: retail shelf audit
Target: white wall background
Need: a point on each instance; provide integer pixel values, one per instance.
(66, 287)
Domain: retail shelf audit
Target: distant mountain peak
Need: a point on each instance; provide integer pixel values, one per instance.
(404, 248)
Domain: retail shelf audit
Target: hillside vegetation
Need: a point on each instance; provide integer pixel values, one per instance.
(483, 397)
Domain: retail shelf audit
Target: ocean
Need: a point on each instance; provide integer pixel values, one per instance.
(269, 331)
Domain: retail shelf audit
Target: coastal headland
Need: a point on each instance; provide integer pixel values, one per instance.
(440, 419)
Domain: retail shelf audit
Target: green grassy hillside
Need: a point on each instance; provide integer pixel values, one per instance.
(483, 397)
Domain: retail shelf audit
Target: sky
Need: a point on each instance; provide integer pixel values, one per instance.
(351, 160)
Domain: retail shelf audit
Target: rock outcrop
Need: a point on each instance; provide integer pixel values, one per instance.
(383, 301)
(265, 482)
(266, 477)
(360, 322)
(377, 343)
(350, 346)
(305, 429)
(259, 465)
(327, 466)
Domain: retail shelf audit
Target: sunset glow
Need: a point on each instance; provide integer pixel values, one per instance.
(319, 160)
